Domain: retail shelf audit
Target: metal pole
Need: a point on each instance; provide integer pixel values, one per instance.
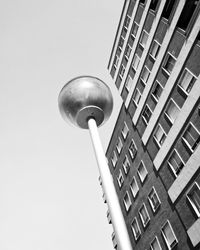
(109, 189)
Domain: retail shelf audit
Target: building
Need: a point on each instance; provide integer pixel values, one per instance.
(154, 151)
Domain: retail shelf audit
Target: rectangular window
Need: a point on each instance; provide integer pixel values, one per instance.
(134, 29)
(169, 63)
(122, 71)
(135, 229)
(121, 42)
(127, 22)
(128, 51)
(136, 96)
(119, 145)
(116, 61)
(135, 62)
(155, 49)
(153, 4)
(168, 235)
(125, 130)
(145, 74)
(126, 165)
(155, 245)
(127, 201)
(159, 135)
(194, 198)
(132, 150)
(144, 216)
(176, 163)
(187, 81)
(187, 13)
(172, 111)
(120, 178)
(128, 83)
(157, 91)
(144, 38)
(146, 115)
(154, 199)
(114, 159)
(134, 187)
(191, 137)
(142, 171)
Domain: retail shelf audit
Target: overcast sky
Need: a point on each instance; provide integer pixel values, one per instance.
(50, 198)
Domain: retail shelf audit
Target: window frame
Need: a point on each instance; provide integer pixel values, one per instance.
(126, 132)
(135, 24)
(127, 52)
(119, 145)
(132, 155)
(194, 207)
(155, 54)
(125, 22)
(166, 62)
(175, 242)
(144, 223)
(127, 203)
(169, 117)
(144, 117)
(181, 78)
(142, 37)
(153, 90)
(163, 133)
(146, 77)
(122, 71)
(185, 140)
(114, 159)
(154, 208)
(155, 239)
(126, 163)
(142, 178)
(135, 94)
(176, 173)
(120, 178)
(134, 193)
(128, 82)
(136, 236)
(136, 60)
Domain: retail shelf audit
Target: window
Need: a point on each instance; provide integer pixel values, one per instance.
(168, 235)
(132, 150)
(114, 159)
(127, 201)
(168, 8)
(176, 163)
(146, 115)
(157, 91)
(144, 216)
(159, 135)
(153, 4)
(136, 96)
(121, 72)
(134, 187)
(172, 111)
(169, 63)
(194, 198)
(186, 81)
(191, 137)
(121, 42)
(153, 199)
(119, 145)
(128, 83)
(116, 61)
(125, 130)
(155, 245)
(135, 228)
(127, 22)
(145, 74)
(128, 51)
(142, 172)
(126, 165)
(187, 13)
(135, 62)
(143, 39)
(120, 178)
(134, 29)
(155, 49)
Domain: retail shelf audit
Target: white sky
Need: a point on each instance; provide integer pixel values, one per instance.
(50, 197)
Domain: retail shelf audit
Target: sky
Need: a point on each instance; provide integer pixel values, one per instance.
(50, 197)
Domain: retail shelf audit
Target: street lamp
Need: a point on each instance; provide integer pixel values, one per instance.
(87, 103)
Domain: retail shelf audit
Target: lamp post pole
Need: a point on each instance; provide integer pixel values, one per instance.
(87, 103)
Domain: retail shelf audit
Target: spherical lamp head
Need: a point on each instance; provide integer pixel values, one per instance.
(83, 98)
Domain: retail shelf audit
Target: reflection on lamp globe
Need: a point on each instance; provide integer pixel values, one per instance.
(83, 98)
